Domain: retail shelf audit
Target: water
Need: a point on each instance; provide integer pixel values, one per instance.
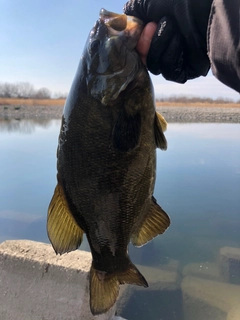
(198, 184)
(27, 175)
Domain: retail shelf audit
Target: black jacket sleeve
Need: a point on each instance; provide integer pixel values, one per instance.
(223, 40)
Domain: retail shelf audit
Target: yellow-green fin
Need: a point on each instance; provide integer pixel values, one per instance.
(160, 139)
(162, 121)
(155, 223)
(63, 232)
(104, 287)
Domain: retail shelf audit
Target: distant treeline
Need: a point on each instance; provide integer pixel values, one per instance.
(193, 99)
(25, 90)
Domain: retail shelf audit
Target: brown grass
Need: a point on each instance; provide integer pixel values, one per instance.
(32, 102)
(60, 102)
(197, 104)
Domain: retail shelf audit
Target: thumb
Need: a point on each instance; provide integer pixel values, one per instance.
(145, 40)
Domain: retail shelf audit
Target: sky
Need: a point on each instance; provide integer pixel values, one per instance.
(41, 42)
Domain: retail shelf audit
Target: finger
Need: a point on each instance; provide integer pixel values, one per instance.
(145, 40)
(166, 30)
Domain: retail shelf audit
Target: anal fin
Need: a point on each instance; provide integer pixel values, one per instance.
(63, 232)
(160, 125)
(155, 223)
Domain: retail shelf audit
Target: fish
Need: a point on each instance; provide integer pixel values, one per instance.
(106, 160)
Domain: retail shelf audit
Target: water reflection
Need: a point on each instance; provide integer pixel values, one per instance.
(198, 183)
(23, 126)
(18, 225)
(28, 162)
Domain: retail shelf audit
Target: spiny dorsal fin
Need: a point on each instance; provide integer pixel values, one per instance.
(160, 139)
(63, 232)
(162, 121)
(104, 287)
(126, 131)
(155, 223)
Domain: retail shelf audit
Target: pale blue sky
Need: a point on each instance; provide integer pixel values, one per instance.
(41, 42)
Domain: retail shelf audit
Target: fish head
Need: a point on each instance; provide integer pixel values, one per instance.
(111, 59)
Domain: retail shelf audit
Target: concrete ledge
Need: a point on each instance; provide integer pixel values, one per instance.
(35, 284)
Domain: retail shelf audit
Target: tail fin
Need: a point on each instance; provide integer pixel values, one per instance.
(104, 287)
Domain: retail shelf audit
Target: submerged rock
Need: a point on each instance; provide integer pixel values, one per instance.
(202, 270)
(230, 264)
(161, 300)
(208, 299)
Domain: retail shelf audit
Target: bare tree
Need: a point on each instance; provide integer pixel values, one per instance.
(25, 90)
(42, 93)
(60, 95)
(16, 90)
(1, 90)
(7, 89)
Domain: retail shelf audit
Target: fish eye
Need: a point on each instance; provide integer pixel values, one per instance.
(94, 46)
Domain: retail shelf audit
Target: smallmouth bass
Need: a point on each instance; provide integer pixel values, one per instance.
(106, 159)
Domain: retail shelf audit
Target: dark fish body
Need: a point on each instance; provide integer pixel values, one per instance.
(107, 160)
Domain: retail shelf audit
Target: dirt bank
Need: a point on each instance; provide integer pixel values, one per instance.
(201, 114)
(30, 112)
(171, 113)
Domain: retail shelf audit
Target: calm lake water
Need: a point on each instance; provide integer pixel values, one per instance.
(198, 184)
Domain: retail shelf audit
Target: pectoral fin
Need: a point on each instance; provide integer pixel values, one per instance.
(126, 131)
(162, 121)
(160, 125)
(63, 232)
(156, 222)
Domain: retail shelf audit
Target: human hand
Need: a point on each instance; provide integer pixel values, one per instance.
(177, 43)
(145, 40)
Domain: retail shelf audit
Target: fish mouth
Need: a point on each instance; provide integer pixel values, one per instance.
(120, 22)
(114, 62)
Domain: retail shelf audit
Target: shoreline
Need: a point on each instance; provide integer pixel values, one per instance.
(172, 113)
(200, 114)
